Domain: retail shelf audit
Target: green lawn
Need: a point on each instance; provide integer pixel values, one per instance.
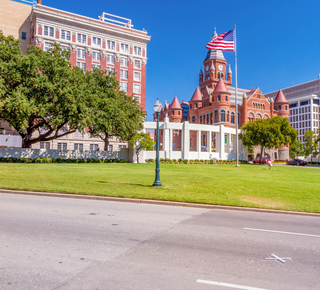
(286, 188)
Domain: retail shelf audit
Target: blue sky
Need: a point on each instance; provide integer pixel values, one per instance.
(277, 41)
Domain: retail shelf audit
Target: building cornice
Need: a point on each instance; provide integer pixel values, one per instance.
(92, 24)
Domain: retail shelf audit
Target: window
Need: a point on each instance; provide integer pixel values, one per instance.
(78, 146)
(81, 53)
(47, 46)
(137, 76)
(124, 86)
(216, 119)
(219, 98)
(110, 148)
(136, 89)
(232, 118)
(81, 65)
(223, 116)
(24, 36)
(82, 38)
(121, 146)
(96, 41)
(124, 61)
(96, 56)
(137, 50)
(62, 146)
(110, 69)
(66, 35)
(124, 48)
(96, 66)
(138, 98)
(48, 31)
(110, 59)
(65, 48)
(137, 64)
(44, 145)
(123, 74)
(111, 45)
(193, 120)
(94, 147)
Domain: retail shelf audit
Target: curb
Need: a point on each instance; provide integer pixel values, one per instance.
(156, 202)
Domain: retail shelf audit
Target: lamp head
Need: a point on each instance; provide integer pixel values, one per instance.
(157, 106)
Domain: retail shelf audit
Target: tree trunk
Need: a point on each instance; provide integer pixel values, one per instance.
(106, 142)
(138, 156)
(261, 153)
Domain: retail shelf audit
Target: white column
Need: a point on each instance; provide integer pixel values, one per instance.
(170, 143)
(221, 142)
(209, 141)
(186, 140)
(199, 143)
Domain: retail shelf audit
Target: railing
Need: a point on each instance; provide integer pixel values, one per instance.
(114, 19)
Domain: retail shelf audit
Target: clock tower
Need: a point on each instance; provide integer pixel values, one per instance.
(215, 68)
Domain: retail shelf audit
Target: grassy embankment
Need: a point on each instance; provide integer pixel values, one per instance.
(286, 188)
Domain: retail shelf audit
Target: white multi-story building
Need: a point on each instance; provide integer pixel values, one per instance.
(304, 106)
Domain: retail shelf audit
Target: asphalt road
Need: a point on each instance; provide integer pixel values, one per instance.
(59, 243)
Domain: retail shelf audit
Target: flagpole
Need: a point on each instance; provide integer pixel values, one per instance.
(237, 117)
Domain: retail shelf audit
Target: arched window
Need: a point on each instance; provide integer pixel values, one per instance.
(207, 118)
(228, 116)
(216, 118)
(204, 119)
(223, 116)
(211, 118)
(200, 119)
(232, 118)
(193, 119)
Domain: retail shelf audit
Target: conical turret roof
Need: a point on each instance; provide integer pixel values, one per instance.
(196, 95)
(175, 104)
(221, 87)
(280, 98)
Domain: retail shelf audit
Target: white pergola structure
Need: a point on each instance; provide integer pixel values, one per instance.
(195, 141)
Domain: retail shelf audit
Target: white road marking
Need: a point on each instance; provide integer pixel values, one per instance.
(276, 258)
(228, 285)
(280, 232)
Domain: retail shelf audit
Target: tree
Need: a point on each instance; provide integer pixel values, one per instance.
(41, 96)
(311, 146)
(268, 133)
(141, 141)
(296, 149)
(113, 112)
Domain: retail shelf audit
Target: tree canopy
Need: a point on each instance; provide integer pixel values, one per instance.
(112, 112)
(311, 143)
(43, 97)
(268, 133)
(142, 141)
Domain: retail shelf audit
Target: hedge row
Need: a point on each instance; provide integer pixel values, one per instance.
(60, 160)
(195, 161)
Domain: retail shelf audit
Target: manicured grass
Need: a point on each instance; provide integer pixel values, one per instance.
(286, 188)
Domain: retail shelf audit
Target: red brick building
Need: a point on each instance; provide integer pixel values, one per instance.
(213, 102)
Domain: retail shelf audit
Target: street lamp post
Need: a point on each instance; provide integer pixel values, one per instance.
(157, 107)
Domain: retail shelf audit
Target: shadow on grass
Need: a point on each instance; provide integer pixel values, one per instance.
(135, 184)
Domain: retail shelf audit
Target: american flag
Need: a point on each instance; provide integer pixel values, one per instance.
(223, 41)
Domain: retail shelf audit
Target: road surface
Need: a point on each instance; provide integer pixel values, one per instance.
(62, 243)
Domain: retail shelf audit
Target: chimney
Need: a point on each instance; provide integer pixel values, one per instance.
(39, 2)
